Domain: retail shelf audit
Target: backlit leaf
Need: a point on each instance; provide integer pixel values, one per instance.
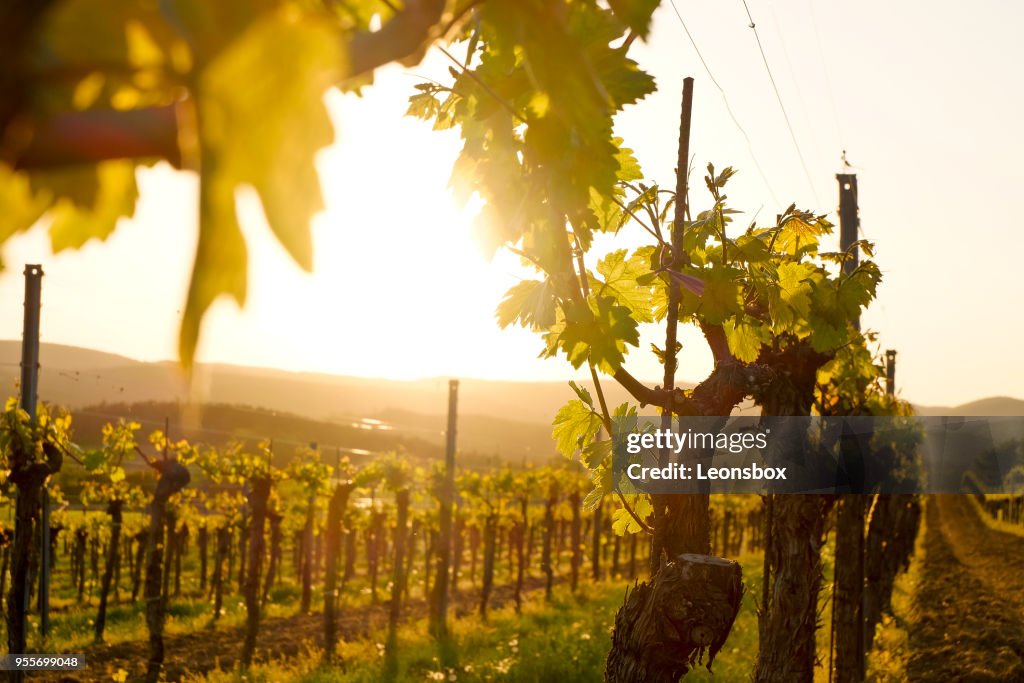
(574, 427)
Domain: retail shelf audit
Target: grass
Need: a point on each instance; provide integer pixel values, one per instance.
(566, 641)
(887, 659)
(993, 523)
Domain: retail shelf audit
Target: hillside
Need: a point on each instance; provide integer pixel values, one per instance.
(986, 407)
(508, 419)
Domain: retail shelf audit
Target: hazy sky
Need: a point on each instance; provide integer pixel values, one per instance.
(924, 96)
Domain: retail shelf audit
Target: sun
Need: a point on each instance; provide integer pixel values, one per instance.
(400, 287)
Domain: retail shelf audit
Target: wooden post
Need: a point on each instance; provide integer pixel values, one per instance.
(439, 599)
(849, 218)
(890, 372)
(848, 589)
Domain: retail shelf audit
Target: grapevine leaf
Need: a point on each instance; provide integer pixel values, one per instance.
(265, 86)
(574, 427)
(530, 303)
(623, 522)
(745, 338)
(858, 289)
(600, 335)
(621, 282)
(21, 207)
(635, 13)
(721, 298)
(596, 453)
(794, 283)
(750, 248)
(799, 232)
(113, 196)
(593, 499)
(583, 394)
(93, 460)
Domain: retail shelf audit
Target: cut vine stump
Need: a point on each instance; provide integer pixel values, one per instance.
(678, 620)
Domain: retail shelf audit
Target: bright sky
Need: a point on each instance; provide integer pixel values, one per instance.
(922, 94)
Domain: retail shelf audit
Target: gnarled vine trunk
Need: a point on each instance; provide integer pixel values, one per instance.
(306, 558)
(892, 532)
(173, 477)
(275, 554)
(787, 652)
(546, 560)
(490, 548)
(114, 508)
(797, 531)
(333, 532)
(29, 476)
(397, 579)
(259, 493)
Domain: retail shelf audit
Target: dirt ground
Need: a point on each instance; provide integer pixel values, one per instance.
(968, 622)
(279, 639)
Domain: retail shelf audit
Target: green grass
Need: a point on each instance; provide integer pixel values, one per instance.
(993, 523)
(566, 641)
(886, 661)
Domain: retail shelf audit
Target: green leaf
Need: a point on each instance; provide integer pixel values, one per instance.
(93, 460)
(635, 13)
(660, 353)
(623, 79)
(745, 338)
(261, 122)
(531, 303)
(623, 522)
(113, 192)
(582, 393)
(593, 499)
(721, 297)
(598, 334)
(621, 282)
(574, 427)
(423, 105)
(597, 453)
(799, 232)
(829, 323)
(21, 207)
(750, 248)
(795, 287)
(858, 289)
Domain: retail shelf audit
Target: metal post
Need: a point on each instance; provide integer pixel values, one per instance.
(30, 340)
(29, 399)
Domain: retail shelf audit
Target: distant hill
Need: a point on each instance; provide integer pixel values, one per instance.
(508, 419)
(76, 377)
(986, 407)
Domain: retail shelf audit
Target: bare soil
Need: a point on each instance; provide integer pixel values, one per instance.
(968, 620)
